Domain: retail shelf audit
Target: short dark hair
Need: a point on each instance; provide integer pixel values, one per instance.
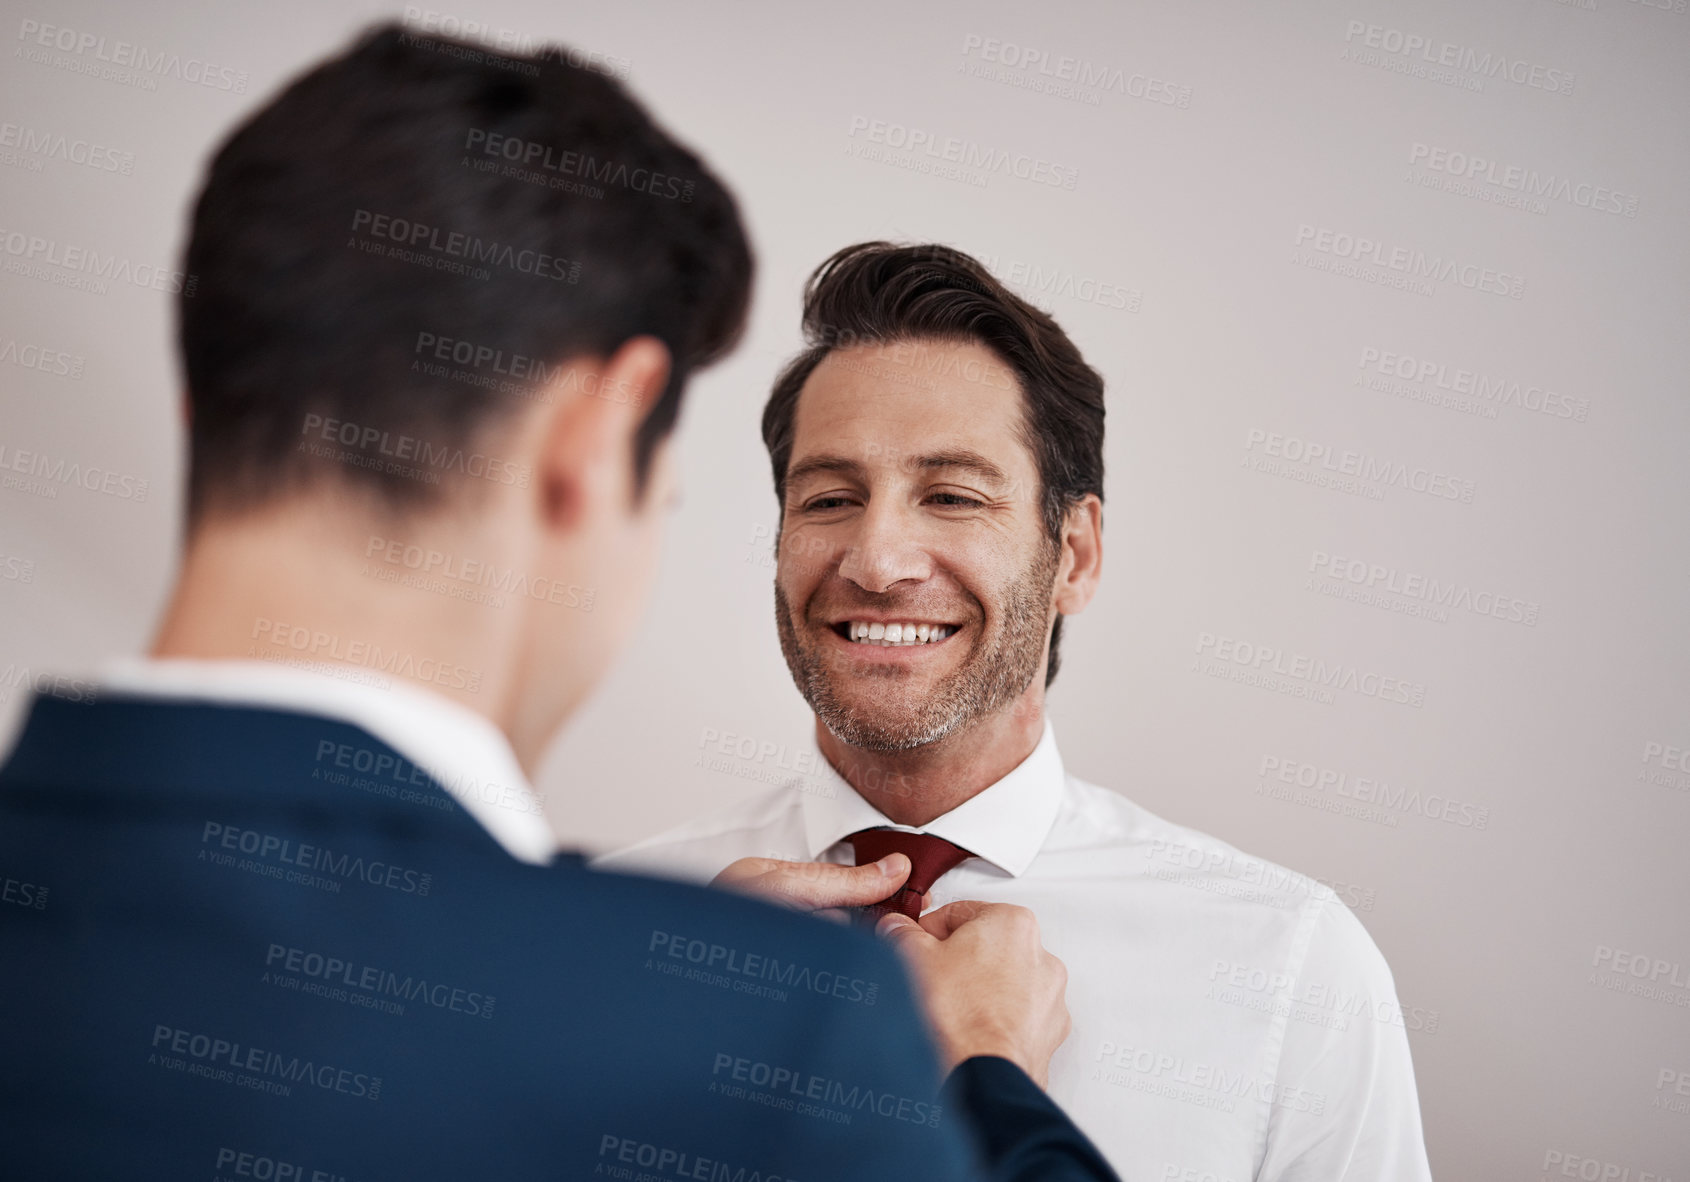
(361, 212)
(879, 293)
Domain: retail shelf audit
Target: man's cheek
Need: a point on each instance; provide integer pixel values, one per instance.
(804, 559)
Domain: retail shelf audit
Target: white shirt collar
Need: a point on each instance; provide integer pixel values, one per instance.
(462, 750)
(1005, 823)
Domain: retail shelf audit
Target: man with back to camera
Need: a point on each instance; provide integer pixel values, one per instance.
(269, 921)
(938, 456)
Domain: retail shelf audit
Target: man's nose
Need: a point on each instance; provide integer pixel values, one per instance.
(885, 550)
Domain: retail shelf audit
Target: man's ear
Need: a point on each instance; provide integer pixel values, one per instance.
(586, 457)
(1082, 556)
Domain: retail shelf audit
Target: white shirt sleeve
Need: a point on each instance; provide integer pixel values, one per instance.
(1345, 1106)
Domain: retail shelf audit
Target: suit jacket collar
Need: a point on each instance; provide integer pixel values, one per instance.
(459, 749)
(169, 758)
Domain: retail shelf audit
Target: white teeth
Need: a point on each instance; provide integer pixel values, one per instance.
(901, 635)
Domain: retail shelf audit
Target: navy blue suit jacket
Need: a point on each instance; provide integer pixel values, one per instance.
(222, 956)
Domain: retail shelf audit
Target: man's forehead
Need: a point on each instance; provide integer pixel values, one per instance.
(862, 405)
(963, 370)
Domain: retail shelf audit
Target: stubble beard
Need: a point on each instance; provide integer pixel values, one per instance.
(995, 674)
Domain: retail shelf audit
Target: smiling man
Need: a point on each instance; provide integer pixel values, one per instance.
(938, 454)
(934, 614)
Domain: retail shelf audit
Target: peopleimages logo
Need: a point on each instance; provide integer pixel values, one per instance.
(679, 1163)
(1527, 182)
(1290, 993)
(928, 146)
(1679, 1082)
(1421, 50)
(27, 355)
(786, 1084)
(533, 154)
(430, 564)
(413, 236)
(376, 442)
(1261, 659)
(488, 367)
(342, 865)
(56, 146)
(1561, 1164)
(382, 984)
(276, 637)
(23, 894)
(48, 685)
(1346, 464)
(224, 1058)
(1377, 579)
(30, 254)
(783, 763)
(509, 41)
(1369, 790)
(1667, 756)
(16, 570)
(1487, 388)
(125, 55)
(737, 970)
(1408, 261)
(1206, 1085)
(1037, 69)
(42, 474)
(263, 1168)
(1651, 977)
(1045, 282)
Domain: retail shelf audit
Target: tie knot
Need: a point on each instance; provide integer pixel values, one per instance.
(930, 857)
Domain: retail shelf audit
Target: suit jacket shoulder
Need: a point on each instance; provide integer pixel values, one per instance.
(235, 957)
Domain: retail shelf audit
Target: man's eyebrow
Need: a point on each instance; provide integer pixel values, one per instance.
(815, 464)
(970, 461)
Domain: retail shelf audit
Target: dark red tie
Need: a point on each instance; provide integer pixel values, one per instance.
(929, 858)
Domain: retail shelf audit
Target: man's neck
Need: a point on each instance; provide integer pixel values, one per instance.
(914, 787)
(301, 588)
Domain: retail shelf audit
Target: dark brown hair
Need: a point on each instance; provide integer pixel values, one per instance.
(291, 318)
(879, 293)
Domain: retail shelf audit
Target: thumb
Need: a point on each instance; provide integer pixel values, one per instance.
(814, 886)
(826, 884)
(943, 922)
(904, 934)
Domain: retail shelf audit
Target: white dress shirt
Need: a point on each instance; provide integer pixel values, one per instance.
(1231, 1020)
(463, 751)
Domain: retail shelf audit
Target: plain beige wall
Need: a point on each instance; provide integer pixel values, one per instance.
(1240, 337)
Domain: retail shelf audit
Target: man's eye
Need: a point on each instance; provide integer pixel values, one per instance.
(826, 503)
(955, 500)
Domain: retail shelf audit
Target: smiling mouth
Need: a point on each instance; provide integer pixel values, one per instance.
(892, 635)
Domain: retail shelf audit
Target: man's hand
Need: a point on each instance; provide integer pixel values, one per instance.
(988, 985)
(822, 887)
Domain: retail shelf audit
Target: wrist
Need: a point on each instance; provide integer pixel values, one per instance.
(992, 1047)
